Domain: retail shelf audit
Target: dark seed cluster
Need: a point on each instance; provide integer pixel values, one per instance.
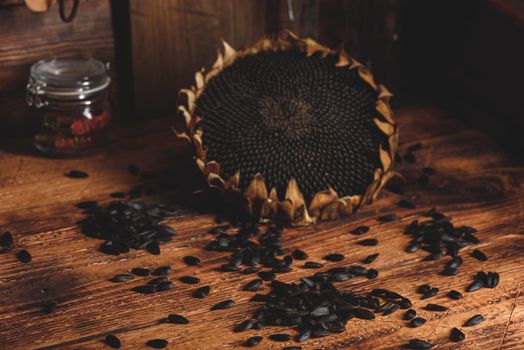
(125, 225)
(315, 307)
(438, 236)
(77, 174)
(484, 280)
(268, 113)
(266, 252)
(160, 283)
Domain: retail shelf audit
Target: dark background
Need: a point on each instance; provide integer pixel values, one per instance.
(466, 56)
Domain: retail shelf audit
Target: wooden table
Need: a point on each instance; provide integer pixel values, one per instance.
(476, 183)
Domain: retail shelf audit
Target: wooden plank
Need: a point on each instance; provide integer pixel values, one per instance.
(27, 37)
(172, 39)
(477, 184)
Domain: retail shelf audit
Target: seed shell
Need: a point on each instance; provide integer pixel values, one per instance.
(456, 335)
(112, 341)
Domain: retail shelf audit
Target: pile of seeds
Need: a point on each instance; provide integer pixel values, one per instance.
(125, 225)
(316, 308)
(249, 253)
(484, 280)
(438, 236)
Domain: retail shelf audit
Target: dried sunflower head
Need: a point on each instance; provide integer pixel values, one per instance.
(297, 130)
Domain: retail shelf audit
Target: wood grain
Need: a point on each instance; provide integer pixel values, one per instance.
(477, 183)
(172, 39)
(26, 37)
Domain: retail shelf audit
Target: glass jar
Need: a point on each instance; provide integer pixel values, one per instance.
(72, 99)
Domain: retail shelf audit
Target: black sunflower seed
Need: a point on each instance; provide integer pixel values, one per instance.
(267, 275)
(482, 277)
(404, 303)
(24, 256)
(409, 315)
(423, 289)
(454, 263)
(202, 292)
(49, 307)
(430, 293)
(313, 265)
(473, 321)
(417, 322)
(77, 174)
(147, 289)
(123, 277)
(158, 280)
(163, 286)
(368, 242)
(390, 310)
(320, 332)
(189, 280)
(387, 218)
(162, 271)
(360, 230)
(435, 307)
(250, 270)
(177, 319)
(243, 326)
(363, 314)
(492, 279)
(226, 304)
(372, 273)
(453, 294)
(191, 260)
(253, 341)
(320, 311)
(157, 343)
(153, 248)
(370, 258)
(456, 335)
(417, 344)
(6, 240)
(449, 271)
(280, 337)
(404, 203)
(229, 268)
(292, 348)
(112, 341)
(118, 195)
(299, 254)
(140, 271)
(479, 255)
(334, 257)
(474, 286)
(253, 285)
(412, 247)
(304, 335)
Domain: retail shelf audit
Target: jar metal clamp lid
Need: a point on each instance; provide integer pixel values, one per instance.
(66, 80)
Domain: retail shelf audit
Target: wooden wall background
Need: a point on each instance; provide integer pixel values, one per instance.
(26, 37)
(156, 46)
(466, 55)
(174, 38)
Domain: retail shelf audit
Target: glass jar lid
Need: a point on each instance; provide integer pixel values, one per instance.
(66, 79)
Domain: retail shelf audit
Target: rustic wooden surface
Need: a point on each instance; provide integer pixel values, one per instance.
(476, 183)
